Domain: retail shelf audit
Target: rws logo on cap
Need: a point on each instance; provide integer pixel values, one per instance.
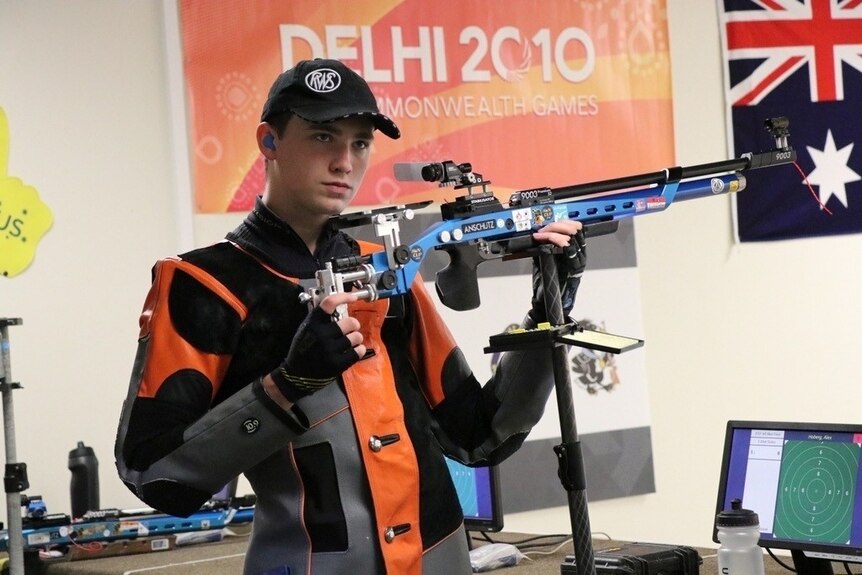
(323, 80)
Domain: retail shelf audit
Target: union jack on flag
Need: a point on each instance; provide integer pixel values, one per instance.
(801, 59)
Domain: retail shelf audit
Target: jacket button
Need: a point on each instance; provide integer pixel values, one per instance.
(377, 443)
(394, 531)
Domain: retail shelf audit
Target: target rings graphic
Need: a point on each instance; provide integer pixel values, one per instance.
(815, 491)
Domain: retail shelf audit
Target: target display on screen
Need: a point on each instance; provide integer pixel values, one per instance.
(816, 489)
(803, 481)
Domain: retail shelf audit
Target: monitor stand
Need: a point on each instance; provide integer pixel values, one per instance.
(810, 565)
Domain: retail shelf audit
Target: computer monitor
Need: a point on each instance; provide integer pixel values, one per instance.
(803, 480)
(478, 491)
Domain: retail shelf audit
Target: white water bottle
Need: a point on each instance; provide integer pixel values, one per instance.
(738, 533)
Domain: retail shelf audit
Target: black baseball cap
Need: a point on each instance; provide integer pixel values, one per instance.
(322, 90)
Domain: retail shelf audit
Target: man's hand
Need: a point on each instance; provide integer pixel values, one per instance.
(322, 349)
(569, 235)
(558, 233)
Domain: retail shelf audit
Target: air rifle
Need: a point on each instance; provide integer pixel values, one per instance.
(41, 531)
(477, 227)
(112, 525)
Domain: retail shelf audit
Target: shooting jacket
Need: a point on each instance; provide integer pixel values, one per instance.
(352, 479)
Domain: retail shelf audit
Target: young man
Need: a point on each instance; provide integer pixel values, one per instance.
(339, 426)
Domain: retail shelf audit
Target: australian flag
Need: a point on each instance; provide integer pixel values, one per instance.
(801, 59)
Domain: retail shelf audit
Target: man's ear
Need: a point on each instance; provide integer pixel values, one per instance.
(266, 140)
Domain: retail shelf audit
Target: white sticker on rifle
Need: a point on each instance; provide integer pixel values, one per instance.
(523, 219)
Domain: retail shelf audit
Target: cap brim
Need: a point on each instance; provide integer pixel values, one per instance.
(380, 121)
(386, 125)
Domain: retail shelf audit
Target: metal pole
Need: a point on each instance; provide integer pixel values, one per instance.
(570, 458)
(14, 482)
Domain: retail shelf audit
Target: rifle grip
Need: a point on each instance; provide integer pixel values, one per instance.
(457, 284)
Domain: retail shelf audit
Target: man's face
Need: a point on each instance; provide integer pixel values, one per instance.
(318, 167)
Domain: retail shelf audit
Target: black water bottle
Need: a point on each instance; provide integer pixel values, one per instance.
(84, 487)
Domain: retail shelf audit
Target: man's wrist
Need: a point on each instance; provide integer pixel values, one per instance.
(294, 387)
(274, 393)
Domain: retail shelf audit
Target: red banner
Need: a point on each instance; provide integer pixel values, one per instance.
(530, 93)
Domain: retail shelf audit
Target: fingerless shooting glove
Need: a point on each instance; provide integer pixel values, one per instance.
(319, 353)
(570, 267)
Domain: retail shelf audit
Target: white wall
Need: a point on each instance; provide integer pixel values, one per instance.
(753, 331)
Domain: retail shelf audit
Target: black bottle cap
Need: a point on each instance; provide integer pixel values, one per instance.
(81, 451)
(736, 516)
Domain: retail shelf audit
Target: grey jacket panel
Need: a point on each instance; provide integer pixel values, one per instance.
(522, 383)
(126, 474)
(449, 557)
(276, 540)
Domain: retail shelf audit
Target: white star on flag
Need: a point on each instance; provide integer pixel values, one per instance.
(831, 171)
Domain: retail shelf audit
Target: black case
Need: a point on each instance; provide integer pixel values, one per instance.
(644, 559)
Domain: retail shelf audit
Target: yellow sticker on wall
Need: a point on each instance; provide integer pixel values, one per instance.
(24, 218)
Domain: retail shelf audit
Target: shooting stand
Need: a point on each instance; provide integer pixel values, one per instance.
(569, 456)
(15, 476)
